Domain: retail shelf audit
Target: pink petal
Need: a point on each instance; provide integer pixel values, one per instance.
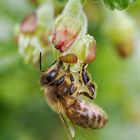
(29, 23)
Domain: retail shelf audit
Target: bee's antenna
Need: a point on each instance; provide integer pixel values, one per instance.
(40, 62)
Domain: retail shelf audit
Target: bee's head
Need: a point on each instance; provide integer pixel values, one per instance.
(50, 75)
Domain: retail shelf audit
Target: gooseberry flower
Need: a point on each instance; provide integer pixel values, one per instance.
(33, 33)
(82, 51)
(69, 26)
(65, 32)
(29, 24)
(84, 48)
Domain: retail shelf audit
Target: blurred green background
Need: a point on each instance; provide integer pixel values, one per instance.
(24, 114)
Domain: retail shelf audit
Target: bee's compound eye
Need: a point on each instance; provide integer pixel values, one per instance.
(51, 76)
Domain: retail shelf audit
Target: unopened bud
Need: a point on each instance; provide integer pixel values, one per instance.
(65, 32)
(29, 24)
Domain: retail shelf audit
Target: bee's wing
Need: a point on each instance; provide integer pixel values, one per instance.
(75, 132)
(80, 133)
(69, 129)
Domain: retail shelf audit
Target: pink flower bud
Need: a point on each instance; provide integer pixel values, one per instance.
(29, 24)
(65, 32)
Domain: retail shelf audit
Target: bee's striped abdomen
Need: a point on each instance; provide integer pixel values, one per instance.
(87, 115)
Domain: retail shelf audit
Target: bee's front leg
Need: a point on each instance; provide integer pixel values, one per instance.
(72, 87)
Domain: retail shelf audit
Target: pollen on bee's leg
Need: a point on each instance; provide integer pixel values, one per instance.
(68, 58)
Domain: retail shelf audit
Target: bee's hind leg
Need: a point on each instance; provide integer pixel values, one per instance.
(90, 85)
(85, 94)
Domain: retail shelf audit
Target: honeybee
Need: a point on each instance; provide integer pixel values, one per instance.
(63, 90)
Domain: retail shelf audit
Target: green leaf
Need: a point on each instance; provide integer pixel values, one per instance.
(118, 4)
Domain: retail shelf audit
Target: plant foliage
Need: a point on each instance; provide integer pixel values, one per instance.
(118, 4)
